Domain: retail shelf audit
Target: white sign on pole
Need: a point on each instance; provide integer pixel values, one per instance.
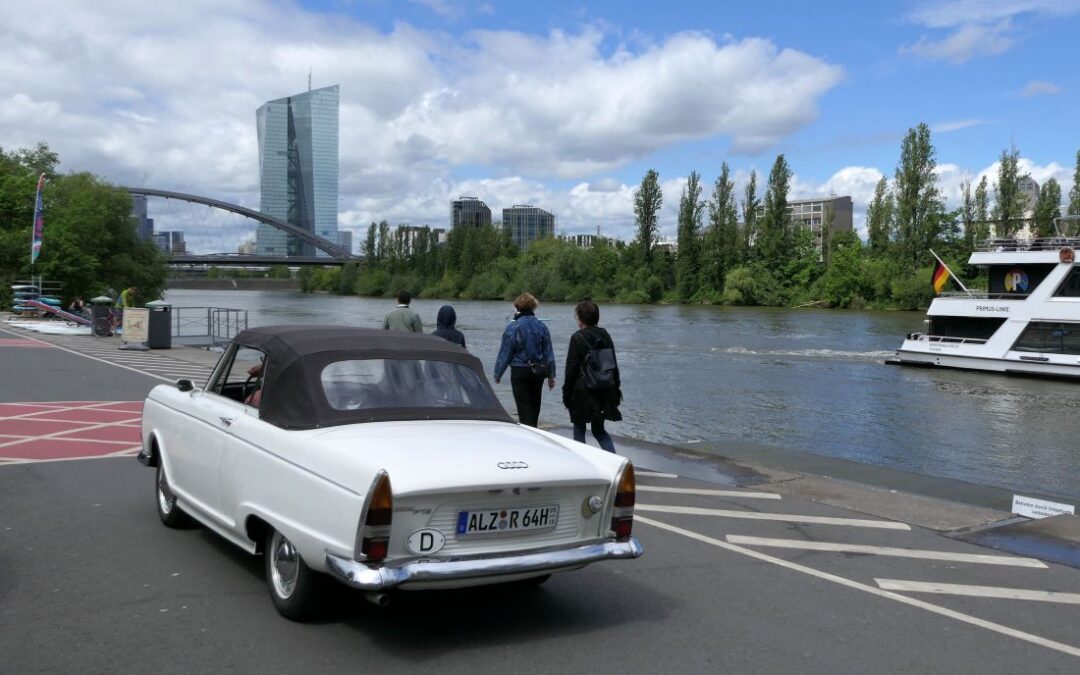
(135, 324)
(1030, 507)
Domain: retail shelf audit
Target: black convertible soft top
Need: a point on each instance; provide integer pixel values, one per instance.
(293, 395)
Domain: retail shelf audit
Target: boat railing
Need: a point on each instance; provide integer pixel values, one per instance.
(983, 295)
(1019, 244)
(920, 337)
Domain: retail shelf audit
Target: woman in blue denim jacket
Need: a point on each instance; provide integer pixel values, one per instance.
(526, 349)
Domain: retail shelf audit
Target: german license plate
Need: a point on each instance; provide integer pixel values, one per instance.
(505, 521)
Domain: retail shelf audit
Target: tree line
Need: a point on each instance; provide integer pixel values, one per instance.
(90, 244)
(733, 247)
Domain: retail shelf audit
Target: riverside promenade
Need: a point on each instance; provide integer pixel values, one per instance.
(756, 560)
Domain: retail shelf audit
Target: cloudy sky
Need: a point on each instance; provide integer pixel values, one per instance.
(560, 104)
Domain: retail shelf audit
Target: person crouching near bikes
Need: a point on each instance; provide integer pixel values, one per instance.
(124, 301)
(526, 349)
(591, 384)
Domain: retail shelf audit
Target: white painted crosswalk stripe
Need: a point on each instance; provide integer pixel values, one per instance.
(888, 551)
(654, 474)
(978, 591)
(785, 517)
(708, 493)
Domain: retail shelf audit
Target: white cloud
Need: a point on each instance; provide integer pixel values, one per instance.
(956, 125)
(1039, 88)
(964, 44)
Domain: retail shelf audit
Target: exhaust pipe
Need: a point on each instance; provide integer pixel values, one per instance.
(377, 599)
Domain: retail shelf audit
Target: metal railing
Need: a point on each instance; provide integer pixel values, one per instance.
(919, 337)
(1017, 244)
(215, 325)
(984, 295)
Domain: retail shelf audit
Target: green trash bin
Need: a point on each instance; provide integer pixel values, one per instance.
(159, 330)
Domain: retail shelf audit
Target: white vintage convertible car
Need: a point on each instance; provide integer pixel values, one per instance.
(382, 459)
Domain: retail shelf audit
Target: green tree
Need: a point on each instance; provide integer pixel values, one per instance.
(383, 244)
(370, 243)
(879, 217)
(1047, 208)
(918, 201)
(722, 242)
(1008, 201)
(1074, 193)
(775, 229)
(347, 281)
(648, 199)
(688, 262)
(982, 211)
(827, 234)
(751, 204)
(967, 214)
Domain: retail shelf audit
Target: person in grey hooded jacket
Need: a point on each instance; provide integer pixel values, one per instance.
(446, 326)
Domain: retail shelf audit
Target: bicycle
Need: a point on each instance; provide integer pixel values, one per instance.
(108, 324)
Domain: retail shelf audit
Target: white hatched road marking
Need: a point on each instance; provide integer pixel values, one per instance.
(129, 452)
(978, 558)
(786, 517)
(979, 591)
(708, 493)
(654, 474)
(1071, 650)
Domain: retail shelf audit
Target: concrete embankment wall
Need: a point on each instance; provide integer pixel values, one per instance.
(236, 284)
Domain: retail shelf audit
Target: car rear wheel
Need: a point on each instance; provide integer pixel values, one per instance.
(169, 512)
(294, 587)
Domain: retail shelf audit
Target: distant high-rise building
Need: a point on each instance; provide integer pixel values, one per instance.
(812, 214)
(171, 243)
(344, 240)
(469, 211)
(298, 169)
(1029, 194)
(527, 223)
(246, 248)
(144, 227)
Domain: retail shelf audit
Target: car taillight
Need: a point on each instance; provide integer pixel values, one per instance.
(622, 515)
(374, 532)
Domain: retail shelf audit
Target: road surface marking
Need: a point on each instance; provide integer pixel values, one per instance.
(979, 558)
(978, 591)
(95, 358)
(708, 493)
(1071, 650)
(787, 517)
(654, 474)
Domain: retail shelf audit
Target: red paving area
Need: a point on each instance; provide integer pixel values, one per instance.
(42, 431)
(22, 342)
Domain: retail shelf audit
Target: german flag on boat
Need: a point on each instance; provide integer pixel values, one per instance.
(941, 277)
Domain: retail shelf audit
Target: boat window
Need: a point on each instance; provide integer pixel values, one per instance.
(1050, 338)
(980, 328)
(1017, 280)
(404, 383)
(1070, 288)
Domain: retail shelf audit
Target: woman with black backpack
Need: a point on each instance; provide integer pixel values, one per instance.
(591, 383)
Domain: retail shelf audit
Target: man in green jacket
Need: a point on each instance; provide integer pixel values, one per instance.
(403, 317)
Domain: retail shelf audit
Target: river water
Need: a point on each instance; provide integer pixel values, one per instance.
(811, 380)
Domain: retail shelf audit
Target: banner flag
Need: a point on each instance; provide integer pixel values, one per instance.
(39, 223)
(941, 277)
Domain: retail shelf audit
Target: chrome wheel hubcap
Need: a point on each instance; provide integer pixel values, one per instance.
(284, 565)
(166, 499)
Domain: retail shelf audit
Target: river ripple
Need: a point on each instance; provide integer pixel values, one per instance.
(809, 380)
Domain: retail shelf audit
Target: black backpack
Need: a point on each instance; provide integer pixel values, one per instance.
(598, 367)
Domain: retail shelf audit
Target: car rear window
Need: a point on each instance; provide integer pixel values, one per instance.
(362, 384)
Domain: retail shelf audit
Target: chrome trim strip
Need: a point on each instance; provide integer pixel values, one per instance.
(375, 578)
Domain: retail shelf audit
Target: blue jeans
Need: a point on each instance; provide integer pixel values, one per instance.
(602, 437)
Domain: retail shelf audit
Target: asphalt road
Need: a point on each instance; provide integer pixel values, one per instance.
(91, 582)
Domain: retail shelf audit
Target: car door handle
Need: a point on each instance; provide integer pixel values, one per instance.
(227, 421)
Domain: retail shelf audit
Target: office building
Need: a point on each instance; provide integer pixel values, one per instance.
(298, 169)
(1029, 195)
(527, 223)
(246, 248)
(812, 214)
(171, 243)
(144, 227)
(344, 240)
(469, 211)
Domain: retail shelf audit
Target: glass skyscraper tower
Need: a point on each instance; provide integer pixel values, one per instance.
(298, 169)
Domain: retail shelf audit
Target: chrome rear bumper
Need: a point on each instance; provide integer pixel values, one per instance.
(376, 578)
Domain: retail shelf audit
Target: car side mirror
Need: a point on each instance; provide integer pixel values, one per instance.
(185, 385)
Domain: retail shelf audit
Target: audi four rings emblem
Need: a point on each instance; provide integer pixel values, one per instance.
(512, 465)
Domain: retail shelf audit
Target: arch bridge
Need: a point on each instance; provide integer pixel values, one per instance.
(337, 255)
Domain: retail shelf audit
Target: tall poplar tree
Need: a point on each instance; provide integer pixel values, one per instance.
(982, 211)
(1074, 193)
(879, 217)
(751, 204)
(776, 238)
(722, 238)
(1008, 202)
(648, 199)
(688, 262)
(1047, 208)
(918, 200)
(369, 243)
(967, 214)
